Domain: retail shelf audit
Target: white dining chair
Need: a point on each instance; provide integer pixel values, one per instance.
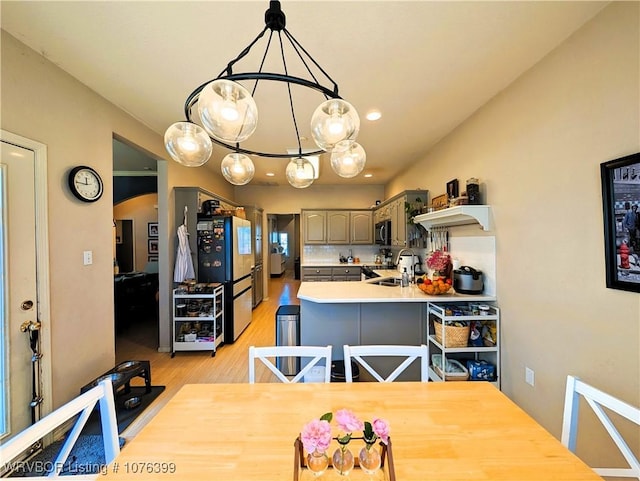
(83, 406)
(597, 400)
(267, 354)
(410, 353)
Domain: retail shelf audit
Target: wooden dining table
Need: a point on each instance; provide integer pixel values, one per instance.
(439, 431)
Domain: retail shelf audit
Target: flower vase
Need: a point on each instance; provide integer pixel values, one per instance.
(343, 461)
(317, 462)
(369, 458)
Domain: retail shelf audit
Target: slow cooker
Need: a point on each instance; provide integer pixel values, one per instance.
(468, 280)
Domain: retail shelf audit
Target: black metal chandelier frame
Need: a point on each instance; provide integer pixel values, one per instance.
(275, 21)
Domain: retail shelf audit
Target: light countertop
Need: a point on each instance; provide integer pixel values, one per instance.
(365, 292)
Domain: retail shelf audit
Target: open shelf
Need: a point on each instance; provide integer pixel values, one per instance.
(458, 215)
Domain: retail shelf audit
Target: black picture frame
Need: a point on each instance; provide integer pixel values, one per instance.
(152, 229)
(152, 258)
(620, 193)
(452, 189)
(153, 246)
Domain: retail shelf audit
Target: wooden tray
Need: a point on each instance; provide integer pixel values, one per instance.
(385, 473)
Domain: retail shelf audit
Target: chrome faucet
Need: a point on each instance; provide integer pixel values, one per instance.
(413, 262)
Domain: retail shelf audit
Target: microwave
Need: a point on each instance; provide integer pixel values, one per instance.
(383, 233)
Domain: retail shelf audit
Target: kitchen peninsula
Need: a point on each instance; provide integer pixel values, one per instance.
(359, 313)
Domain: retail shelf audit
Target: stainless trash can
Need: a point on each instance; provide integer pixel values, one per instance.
(288, 334)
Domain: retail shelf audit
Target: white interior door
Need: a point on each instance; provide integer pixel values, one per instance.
(18, 288)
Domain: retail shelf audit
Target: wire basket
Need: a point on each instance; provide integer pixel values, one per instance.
(454, 336)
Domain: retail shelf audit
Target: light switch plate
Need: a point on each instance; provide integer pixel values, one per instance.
(87, 258)
(529, 376)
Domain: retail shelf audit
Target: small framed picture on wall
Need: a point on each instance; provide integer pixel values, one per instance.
(153, 246)
(152, 228)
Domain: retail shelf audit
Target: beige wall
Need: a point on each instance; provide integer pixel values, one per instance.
(43, 103)
(287, 200)
(537, 148)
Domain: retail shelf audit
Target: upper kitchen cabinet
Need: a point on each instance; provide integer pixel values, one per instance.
(362, 227)
(337, 227)
(314, 226)
(399, 209)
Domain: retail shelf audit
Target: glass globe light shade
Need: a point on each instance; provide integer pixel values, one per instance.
(348, 159)
(333, 121)
(300, 173)
(227, 111)
(188, 144)
(237, 168)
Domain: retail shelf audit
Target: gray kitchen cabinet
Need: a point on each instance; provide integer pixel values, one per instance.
(336, 227)
(338, 222)
(361, 227)
(316, 274)
(254, 214)
(403, 232)
(314, 226)
(347, 273)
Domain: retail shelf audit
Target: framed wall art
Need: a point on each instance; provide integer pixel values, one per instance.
(152, 229)
(621, 208)
(153, 246)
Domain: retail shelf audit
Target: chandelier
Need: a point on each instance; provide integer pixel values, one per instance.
(224, 111)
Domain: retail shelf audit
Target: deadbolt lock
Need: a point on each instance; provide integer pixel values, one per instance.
(30, 326)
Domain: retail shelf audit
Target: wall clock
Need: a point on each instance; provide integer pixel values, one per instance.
(85, 183)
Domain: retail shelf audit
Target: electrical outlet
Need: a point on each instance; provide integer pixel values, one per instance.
(87, 257)
(529, 376)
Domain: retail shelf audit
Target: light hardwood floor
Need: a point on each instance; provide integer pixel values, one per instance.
(229, 365)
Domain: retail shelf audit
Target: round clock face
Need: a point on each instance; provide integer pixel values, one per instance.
(85, 183)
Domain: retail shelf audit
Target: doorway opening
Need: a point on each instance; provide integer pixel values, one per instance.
(284, 245)
(135, 249)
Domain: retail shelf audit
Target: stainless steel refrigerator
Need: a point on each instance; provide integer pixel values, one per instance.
(225, 255)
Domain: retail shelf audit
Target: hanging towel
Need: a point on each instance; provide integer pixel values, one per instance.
(184, 262)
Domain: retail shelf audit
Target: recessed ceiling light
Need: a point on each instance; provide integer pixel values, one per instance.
(374, 115)
(270, 174)
(368, 175)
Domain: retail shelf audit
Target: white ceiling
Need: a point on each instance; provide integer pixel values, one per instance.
(427, 66)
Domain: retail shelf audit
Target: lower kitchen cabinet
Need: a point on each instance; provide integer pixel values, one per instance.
(327, 274)
(198, 318)
(346, 273)
(464, 337)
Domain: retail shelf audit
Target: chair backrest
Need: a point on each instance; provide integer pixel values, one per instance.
(265, 354)
(82, 405)
(410, 353)
(597, 400)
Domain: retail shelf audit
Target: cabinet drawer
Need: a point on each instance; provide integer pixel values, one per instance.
(316, 271)
(317, 279)
(346, 271)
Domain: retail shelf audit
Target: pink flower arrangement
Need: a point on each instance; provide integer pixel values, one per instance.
(438, 260)
(348, 422)
(381, 429)
(316, 435)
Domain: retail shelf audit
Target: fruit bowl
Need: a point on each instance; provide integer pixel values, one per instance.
(435, 287)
